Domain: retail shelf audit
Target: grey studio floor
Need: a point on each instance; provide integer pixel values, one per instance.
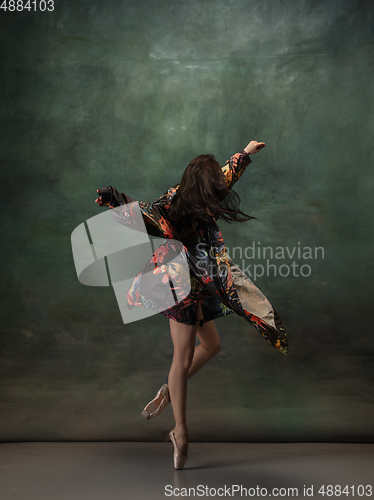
(139, 470)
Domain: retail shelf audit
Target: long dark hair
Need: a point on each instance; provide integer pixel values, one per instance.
(203, 194)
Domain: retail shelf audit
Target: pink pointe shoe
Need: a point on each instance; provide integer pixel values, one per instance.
(179, 459)
(158, 403)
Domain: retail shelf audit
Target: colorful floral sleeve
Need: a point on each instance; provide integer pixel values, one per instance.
(167, 197)
(155, 223)
(235, 167)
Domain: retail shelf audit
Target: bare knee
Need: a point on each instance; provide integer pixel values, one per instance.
(184, 359)
(213, 348)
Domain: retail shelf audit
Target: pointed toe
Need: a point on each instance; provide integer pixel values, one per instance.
(179, 458)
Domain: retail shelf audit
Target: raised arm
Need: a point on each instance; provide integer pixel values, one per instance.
(154, 223)
(233, 169)
(236, 164)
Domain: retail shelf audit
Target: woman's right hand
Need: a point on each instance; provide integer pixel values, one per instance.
(253, 147)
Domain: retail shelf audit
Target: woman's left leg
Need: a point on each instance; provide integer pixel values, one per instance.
(184, 351)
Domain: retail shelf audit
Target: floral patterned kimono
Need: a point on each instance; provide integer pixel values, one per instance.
(215, 280)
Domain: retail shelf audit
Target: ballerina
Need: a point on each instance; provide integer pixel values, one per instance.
(188, 212)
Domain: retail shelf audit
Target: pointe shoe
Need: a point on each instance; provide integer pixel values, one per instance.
(179, 459)
(158, 403)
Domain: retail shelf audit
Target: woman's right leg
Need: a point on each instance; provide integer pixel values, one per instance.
(183, 337)
(209, 346)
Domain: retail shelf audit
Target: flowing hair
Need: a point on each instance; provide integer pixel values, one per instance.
(203, 194)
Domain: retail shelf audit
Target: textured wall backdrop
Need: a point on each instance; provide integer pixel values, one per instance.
(126, 93)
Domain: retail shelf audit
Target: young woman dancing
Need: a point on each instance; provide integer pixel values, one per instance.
(188, 213)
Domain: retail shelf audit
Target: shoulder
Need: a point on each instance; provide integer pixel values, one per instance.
(166, 197)
(172, 192)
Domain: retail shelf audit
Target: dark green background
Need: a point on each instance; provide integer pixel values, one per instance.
(126, 93)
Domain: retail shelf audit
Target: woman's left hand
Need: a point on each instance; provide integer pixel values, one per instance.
(253, 147)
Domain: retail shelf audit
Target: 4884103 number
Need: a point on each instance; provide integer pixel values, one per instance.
(34, 5)
(337, 490)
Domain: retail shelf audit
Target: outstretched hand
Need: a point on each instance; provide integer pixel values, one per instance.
(253, 147)
(99, 200)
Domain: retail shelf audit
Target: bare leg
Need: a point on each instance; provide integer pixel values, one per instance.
(183, 337)
(187, 360)
(209, 345)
